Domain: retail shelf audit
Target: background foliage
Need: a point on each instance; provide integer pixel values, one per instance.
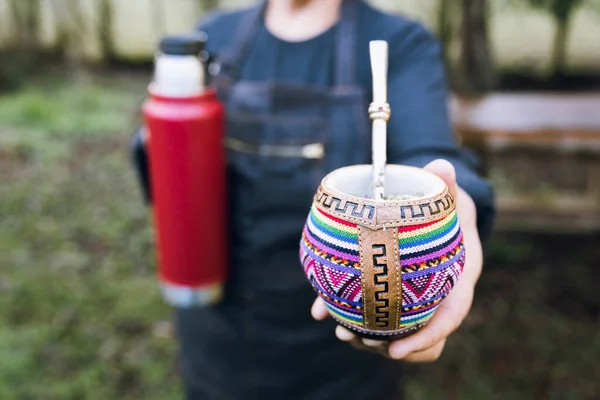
(477, 50)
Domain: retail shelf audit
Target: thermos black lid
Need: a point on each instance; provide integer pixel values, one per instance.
(183, 45)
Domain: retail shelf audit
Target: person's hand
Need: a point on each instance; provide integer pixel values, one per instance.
(427, 344)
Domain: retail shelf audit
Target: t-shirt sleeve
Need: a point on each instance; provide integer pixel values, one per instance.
(419, 130)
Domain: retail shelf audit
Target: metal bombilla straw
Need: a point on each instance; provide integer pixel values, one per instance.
(379, 112)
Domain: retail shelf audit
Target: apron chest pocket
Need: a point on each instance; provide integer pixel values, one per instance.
(277, 147)
(312, 151)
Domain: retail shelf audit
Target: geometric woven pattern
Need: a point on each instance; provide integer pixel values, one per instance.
(329, 254)
(431, 261)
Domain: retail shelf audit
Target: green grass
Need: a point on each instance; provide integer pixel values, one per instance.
(81, 317)
(83, 106)
(78, 299)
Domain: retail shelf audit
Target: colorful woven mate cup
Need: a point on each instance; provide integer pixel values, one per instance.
(382, 267)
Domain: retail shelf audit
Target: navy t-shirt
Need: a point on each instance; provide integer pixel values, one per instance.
(419, 130)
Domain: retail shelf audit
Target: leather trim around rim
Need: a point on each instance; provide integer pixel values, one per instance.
(379, 214)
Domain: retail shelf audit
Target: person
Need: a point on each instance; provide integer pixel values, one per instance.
(292, 74)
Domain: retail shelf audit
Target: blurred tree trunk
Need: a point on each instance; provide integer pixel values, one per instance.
(559, 51)
(562, 11)
(71, 29)
(449, 21)
(105, 28)
(445, 30)
(26, 14)
(476, 64)
(208, 5)
(19, 54)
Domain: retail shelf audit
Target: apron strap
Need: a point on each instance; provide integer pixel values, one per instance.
(345, 60)
(233, 55)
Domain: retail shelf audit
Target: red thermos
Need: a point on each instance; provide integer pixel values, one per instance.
(185, 126)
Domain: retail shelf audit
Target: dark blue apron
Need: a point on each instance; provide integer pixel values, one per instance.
(261, 342)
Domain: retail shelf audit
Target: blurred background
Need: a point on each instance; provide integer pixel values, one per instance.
(80, 313)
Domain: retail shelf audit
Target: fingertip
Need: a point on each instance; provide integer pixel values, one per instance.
(371, 342)
(435, 331)
(343, 334)
(319, 310)
(397, 350)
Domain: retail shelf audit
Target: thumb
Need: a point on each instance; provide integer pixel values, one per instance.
(445, 170)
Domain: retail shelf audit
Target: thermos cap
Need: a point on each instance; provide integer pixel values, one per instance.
(183, 45)
(179, 70)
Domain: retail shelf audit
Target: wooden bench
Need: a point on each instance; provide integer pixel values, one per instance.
(542, 151)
